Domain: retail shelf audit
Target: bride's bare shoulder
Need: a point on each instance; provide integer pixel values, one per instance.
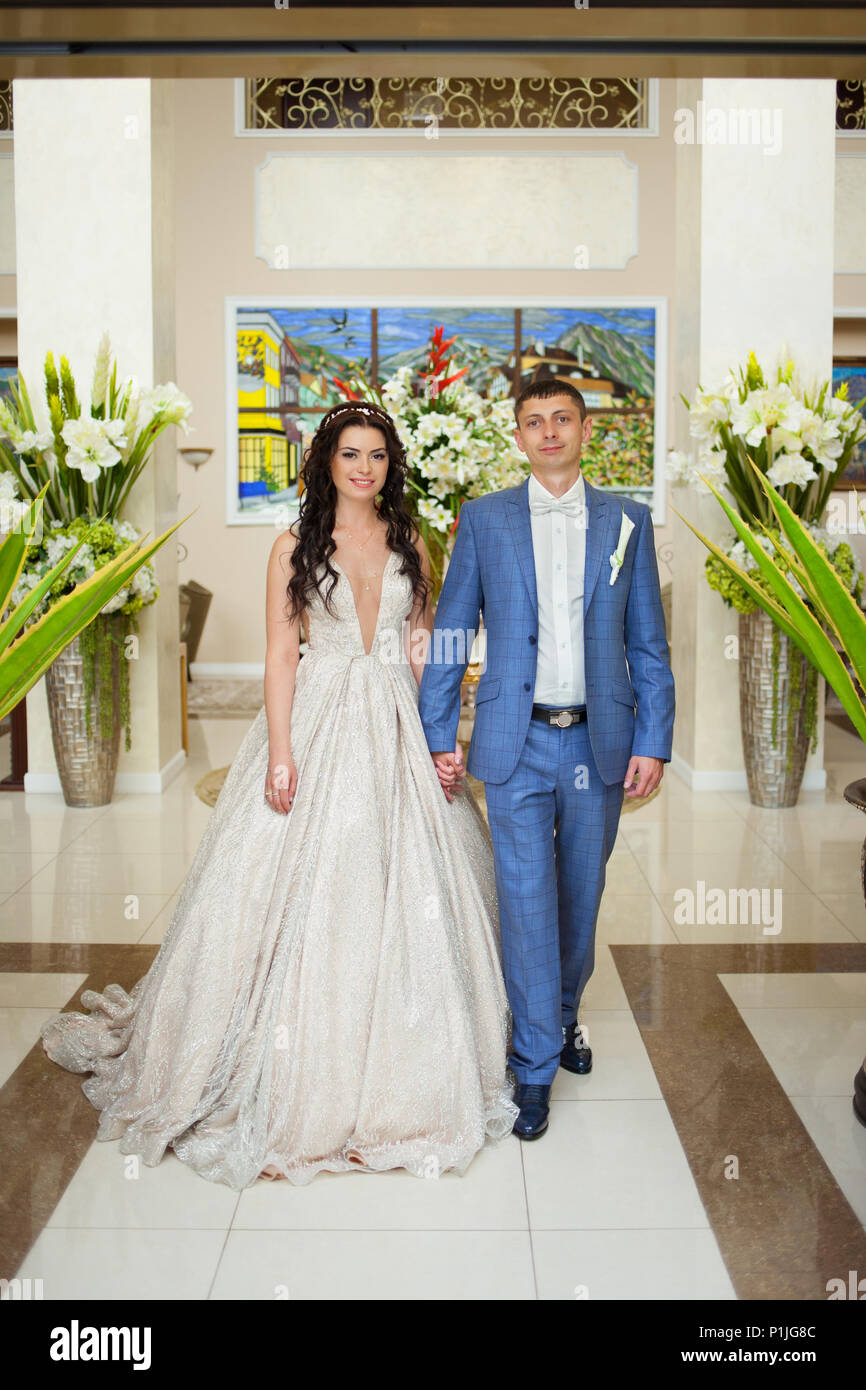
(283, 548)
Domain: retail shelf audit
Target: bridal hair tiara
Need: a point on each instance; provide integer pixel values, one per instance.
(360, 407)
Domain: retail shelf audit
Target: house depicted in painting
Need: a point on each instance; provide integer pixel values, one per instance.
(269, 440)
(540, 361)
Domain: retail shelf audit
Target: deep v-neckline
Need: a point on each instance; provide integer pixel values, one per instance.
(337, 565)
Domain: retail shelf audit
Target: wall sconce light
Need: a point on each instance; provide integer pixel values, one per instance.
(196, 456)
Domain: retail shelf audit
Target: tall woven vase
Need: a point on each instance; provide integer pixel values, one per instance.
(86, 762)
(775, 760)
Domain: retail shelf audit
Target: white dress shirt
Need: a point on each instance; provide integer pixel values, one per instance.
(559, 545)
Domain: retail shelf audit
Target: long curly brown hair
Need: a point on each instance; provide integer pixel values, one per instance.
(317, 511)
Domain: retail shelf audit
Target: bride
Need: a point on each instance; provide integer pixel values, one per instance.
(328, 994)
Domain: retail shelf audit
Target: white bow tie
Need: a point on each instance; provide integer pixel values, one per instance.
(566, 506)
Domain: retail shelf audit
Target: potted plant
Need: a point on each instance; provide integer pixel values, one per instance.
(30, 643)
(802, 593)
(83, 464)
(798, 440)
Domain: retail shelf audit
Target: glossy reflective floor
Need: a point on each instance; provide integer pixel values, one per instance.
(713, 1151)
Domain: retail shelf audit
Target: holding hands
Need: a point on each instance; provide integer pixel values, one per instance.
(450, 770)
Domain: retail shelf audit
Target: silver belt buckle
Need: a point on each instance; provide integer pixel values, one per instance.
(564, 718)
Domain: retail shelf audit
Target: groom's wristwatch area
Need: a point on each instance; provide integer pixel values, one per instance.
(561, 718)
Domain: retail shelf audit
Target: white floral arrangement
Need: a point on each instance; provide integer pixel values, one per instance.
(458, 443)
(801, 438)
(90, 456)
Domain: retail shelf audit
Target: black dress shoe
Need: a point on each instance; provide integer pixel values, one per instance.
(532, 1102)
(575, 1055)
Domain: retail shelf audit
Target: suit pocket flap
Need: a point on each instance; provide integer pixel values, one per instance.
(623, 692)
(486, 690)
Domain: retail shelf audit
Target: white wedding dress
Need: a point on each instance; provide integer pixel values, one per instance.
(328, 994)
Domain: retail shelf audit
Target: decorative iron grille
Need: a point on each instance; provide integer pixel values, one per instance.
(851, 106)
(5, 105)
(449, 103)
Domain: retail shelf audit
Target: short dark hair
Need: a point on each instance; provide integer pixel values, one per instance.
(546, 388)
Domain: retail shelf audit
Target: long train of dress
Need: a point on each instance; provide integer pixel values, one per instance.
(328, 994)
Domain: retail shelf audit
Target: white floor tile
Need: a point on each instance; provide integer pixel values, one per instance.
(77, 1264)
(841, 1140)
(489, 1196)
(621, 1068)
(116, 1190)
(376, 1265)
(18, 868)
(621, 1265)
(756, 866)
(611, 1164)
(77, 870)
(803, 918)
(74, 917)
(813, 1051)
(797, 990)
(850, 910)
(604, 990)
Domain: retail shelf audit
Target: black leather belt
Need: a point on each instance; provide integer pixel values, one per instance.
(560, 718)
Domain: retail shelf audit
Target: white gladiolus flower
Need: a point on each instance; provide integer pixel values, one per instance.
(8, 487)
(679, 467)
(766, 410)
(820, 436)
(116, 432)
(790, 468)
(35, 441)
(89, 447)
(167, 402)
(708, 411)
(710, 462)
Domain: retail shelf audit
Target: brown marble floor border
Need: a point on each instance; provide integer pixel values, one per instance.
(47, 1124)
(784, 1226)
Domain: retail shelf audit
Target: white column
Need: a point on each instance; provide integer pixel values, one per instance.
(754, 272)
(94, 231)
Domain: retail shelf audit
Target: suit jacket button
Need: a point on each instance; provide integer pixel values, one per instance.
(532, 641)
(526, 685)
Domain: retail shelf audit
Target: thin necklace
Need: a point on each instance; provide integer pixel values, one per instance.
(362, 547)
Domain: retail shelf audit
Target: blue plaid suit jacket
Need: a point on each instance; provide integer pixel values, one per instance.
(629, 682)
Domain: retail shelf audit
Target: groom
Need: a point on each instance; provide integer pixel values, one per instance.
(576, 701)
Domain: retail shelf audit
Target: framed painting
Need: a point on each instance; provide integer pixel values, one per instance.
(283, 355)
(8, 373)
(853, 371)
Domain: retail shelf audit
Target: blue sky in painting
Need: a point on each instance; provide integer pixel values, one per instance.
(409, 326)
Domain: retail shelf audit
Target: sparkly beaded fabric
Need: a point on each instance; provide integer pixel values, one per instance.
(328, 994)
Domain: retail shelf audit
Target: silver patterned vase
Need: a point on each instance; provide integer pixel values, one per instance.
(775, 758)
(86, 762)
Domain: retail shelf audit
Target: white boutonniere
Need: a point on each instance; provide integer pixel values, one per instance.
(618, 556)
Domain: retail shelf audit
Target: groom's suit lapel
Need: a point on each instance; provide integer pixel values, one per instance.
(597, 525)
(521, 530)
